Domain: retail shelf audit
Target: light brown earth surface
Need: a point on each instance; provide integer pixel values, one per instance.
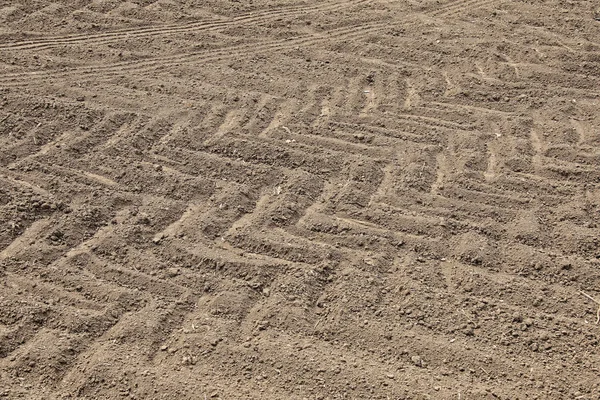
(359, 199)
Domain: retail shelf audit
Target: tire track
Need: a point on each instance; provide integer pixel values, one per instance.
(332, 143)
(240, 204)
(395, 134)
(161, 63)
(102, 38)
(435, 122)
(200, 26)
(456, 7)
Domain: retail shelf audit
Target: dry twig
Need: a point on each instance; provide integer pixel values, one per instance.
(595, 301)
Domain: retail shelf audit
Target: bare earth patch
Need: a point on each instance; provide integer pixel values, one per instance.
(299, 199)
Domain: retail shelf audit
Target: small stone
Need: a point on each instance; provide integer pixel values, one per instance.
(80, 98)
(172, 272)
(534, 347)
(523, 327)
(164, 347)
(390, 376)
(418, 361)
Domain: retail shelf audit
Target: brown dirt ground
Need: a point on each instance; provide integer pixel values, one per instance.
(341, 199)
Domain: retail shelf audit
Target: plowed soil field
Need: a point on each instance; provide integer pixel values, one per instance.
(338, 199)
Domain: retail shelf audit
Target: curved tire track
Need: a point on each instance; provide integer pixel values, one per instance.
(456, 7)
(158, 63)
(199, 26)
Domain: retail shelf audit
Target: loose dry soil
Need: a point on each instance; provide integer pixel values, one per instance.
(355, 199)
